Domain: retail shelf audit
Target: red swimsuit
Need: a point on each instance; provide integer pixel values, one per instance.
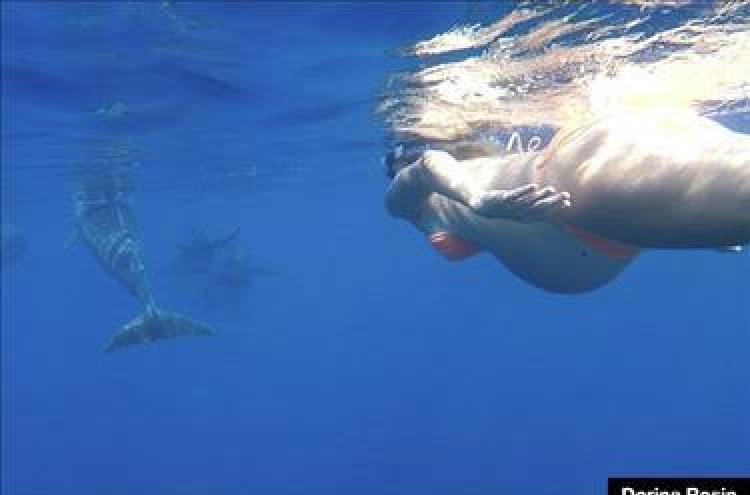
(451, 246)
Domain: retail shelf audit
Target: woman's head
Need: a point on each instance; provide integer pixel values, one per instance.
(399, 157)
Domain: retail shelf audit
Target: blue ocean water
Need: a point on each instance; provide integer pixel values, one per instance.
(366, 363)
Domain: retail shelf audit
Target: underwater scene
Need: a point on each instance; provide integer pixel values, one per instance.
(386, 248)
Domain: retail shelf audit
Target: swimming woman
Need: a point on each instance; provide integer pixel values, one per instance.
(571, 217)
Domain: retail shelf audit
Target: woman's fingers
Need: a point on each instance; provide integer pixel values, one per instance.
(560, 200)
(525, 191)
(525, 203)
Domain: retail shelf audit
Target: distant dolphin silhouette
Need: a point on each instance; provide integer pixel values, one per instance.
(199, 253)
(235, 270)
(107, 224)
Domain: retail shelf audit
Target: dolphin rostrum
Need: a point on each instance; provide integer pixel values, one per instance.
(107, 224)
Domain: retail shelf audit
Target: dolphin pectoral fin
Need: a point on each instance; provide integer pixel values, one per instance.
(155, 325)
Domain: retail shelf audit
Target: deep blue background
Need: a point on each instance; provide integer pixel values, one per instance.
(371, 365)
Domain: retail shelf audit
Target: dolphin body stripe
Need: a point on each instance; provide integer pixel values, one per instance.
(108, 227)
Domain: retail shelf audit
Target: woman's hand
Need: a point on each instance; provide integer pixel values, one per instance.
(528, 203)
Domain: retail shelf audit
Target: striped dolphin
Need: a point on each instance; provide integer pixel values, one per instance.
(107, 224)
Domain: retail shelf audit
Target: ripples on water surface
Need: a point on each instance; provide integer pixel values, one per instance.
(145, 78)
(551, 65)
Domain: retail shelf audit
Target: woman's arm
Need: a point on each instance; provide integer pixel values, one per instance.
(511, 196)
(437, 172)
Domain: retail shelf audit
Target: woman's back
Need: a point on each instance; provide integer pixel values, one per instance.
(669, 179)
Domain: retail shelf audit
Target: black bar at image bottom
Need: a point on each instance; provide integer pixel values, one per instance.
(678, 486)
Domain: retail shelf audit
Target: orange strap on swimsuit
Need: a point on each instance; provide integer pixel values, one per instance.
(602, 245)
(455, 248)
(451, 246)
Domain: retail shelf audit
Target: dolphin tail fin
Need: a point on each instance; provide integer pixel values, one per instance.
(155, 324)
